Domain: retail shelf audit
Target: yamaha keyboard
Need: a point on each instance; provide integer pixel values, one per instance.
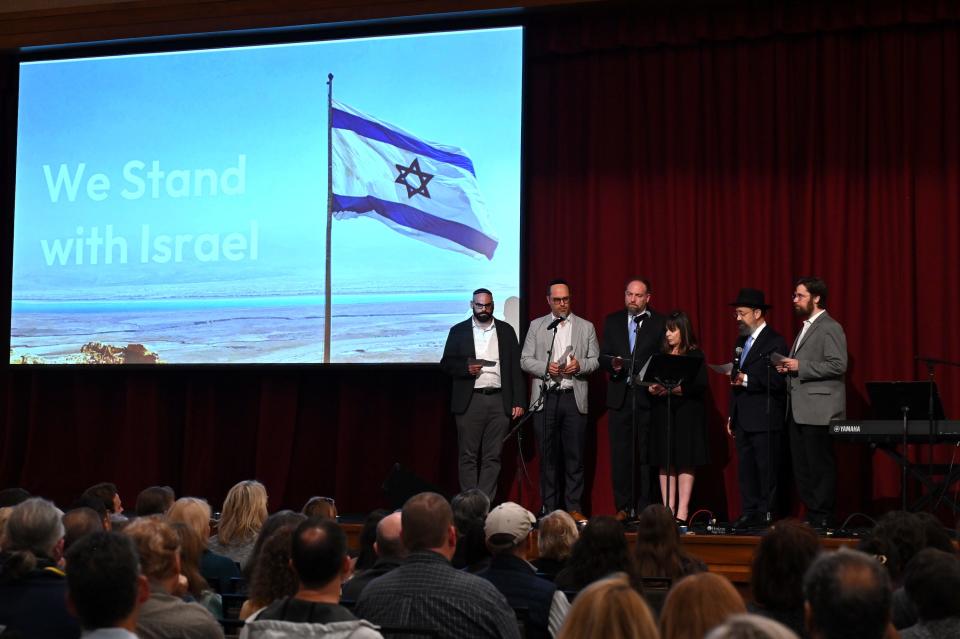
(890, 431)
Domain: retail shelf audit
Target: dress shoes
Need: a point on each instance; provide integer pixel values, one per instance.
(578, 516)
(749, 520)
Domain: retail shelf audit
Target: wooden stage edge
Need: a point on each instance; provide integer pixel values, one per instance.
(727, 555)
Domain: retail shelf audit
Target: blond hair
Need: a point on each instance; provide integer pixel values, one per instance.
(244, 511)
(609, 608)
(157, 544)
(697, 604)
(194, 513)
(557, 534)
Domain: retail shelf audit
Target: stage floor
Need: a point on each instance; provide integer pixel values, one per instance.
(727, 555)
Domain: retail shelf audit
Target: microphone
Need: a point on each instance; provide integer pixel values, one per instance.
(736, 361)
(555, 323)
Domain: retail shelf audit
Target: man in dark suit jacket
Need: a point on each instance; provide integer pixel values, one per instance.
(816, 387)
(482, 355)
(755, 424)
(638, 331)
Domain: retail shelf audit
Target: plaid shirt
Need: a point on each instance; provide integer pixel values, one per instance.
(427, 592)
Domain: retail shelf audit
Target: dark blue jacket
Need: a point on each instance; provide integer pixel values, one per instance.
(518, 582)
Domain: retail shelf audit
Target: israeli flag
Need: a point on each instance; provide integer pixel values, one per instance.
(424, 190)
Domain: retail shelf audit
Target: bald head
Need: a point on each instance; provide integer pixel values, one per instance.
(389, 544)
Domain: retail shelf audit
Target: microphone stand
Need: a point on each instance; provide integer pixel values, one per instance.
(534, 407)
(771, 486)
(930, 363)
(632, 388)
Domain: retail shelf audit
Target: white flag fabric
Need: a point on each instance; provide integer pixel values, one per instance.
(424, 190)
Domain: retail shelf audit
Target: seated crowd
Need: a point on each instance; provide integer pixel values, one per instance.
(445, 569)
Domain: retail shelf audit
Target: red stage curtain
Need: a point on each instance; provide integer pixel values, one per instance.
(706, 149)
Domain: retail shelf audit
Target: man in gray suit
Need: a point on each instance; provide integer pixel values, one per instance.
(817, 394)
(560, 351)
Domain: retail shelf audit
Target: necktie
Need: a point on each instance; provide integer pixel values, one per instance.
(633, 329)
(746, 349)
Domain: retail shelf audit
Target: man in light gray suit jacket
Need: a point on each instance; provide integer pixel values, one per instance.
(817, 394)
(560, 422)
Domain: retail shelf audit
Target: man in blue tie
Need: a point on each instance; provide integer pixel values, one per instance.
(757, 408)
(633, 333)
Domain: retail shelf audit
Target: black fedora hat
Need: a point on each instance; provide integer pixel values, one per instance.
(751, 298)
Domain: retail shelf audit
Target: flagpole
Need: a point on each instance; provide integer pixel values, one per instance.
(327, 302)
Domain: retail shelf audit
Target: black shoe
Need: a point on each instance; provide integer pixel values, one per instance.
(748, 520)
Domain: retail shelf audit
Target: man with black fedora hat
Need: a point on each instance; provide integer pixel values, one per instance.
(757, 407)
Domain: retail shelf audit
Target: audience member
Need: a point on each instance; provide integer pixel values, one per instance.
(191, 548)
(13, 496)
(600, 551)
(319, 556)
(4, 516)
(272, 577)
(367, 556)
(557, 535)
(698, 603)
(609, 608)
(751, 627)
(273, 523)
(390, 554)
(658, 552)
(155, 500)
(105, 588)
(106, 492)
(195, 513)
(32, 585)
(508, 529)
(779, 563)
(906, 532)
(165, 614)
(96, 505)
(932, 582)
(322, 507)
(244, 511)
(426, 591)
(470, 510)
(847, 596)
(78, 523)
(934, 533)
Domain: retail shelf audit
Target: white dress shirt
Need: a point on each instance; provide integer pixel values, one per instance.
(486, 346)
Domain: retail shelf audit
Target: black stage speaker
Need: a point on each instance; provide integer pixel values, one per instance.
(401, 484)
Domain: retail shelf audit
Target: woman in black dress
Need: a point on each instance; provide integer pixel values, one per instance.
(688, 446)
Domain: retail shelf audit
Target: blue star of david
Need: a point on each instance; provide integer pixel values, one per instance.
(413, 169)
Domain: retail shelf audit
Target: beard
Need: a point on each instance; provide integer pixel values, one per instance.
(483, 316)
(743, 329)
(803, 309)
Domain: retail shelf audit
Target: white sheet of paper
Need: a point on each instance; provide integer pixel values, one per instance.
(723, 369)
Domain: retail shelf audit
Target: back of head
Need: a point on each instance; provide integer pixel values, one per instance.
(78, 523)
(244, 511)
(557, 535)
(324, 507)
(932, 582)
(935, 535)
(848, 596)
(272, 577)
(609, 608)
(34, 530)
(103, 492)
(507, 528)
(191, 549)
(751, 627)
(13, 496)
(697, 604)
(102, 579)
(273, 523)
(782, 558)
(368, 535)
(157, 545)
(658, 543)
(470, 508)
(425, 519)
(155, 500)
(601, 550)
(390, 538)
(318, 549)
(192, 512)
(905, 531)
